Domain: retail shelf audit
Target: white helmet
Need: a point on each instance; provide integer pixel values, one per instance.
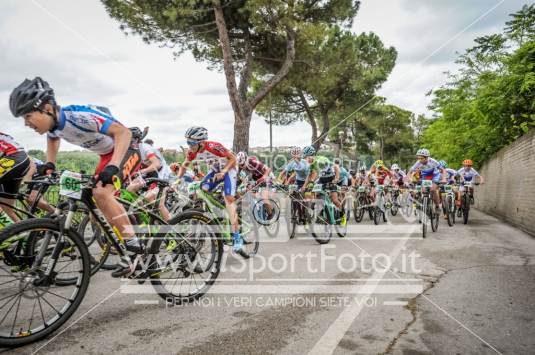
(394, 167)
(423, 152)
(197, 133)
(241, 158)
(295, 152)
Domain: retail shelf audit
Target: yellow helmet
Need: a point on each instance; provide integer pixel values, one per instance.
(379, 163)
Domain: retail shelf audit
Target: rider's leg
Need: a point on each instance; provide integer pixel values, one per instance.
(267, 203)
(11, 214)
(41, 204)
(113, 210)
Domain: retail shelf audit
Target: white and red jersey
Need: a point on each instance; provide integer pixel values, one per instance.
(8, 145)
(86, 127)
(147, 152)
(214, 154)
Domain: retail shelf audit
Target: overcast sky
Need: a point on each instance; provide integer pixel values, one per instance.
(80, 51)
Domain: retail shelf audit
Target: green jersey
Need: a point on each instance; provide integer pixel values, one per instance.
(323, 166)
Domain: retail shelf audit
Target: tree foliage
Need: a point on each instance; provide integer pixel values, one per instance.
(490, 102)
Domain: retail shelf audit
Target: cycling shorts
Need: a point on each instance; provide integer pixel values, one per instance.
(229, 182)
(13, 168)
(129, 165)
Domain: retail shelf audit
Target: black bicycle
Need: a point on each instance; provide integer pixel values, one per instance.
(43, 286)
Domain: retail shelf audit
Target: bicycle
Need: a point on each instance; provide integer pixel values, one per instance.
(427, 212)
(56, 246)
(212, 204)
(448, 203)
(326, 215)
(466, 199)
(380, 204)
(362, 203)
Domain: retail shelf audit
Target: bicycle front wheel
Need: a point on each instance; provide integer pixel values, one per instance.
(33, 304)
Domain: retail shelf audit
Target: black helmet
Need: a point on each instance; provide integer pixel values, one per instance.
(137, 134)
(29, 96)
(352, 172)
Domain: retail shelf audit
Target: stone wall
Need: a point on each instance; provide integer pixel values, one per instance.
(509, 189)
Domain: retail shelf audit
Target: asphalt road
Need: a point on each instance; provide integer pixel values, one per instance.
(467, 289)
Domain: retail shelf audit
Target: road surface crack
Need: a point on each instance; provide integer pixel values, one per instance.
(412, 307)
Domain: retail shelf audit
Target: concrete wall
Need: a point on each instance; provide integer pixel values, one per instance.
(509, 189)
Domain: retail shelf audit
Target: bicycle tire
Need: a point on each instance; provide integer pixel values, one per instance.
(40, 225)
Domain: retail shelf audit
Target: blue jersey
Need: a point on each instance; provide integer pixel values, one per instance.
(86, 127)
(301, 169)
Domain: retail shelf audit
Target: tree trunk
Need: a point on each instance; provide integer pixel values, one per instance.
(381, 146)
(324, 131)
(241, 133)
(310, 116)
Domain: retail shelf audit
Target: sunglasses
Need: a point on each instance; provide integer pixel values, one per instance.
(191, 142)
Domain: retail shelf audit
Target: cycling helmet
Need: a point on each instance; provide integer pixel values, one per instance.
(423, 152)
(197, 133)
(295, 152)
(241, 158)
(149, 141)
(352, 172)
(394, 167)
(363, 168)
(379, 163)
(136, 133)
(29, 96)
(443, 164)
(309, 151)
(468, 162)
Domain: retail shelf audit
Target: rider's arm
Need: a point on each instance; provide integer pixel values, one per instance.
(154, 165)
(231, 162)
(121, 140)
(52, 148)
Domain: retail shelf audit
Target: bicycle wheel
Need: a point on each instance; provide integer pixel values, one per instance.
(450, 210)
(466, 208)
(251, 236)
(423, 216)
(321, 229)
(434, 218)
(33, 305)
(377, 215)
(260, 212)
(192, 260)
(294, 219)
(359, 210)
(99, 251)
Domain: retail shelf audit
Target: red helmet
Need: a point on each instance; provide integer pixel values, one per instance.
(468, 162)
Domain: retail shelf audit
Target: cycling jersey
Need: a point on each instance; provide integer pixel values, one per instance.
(451, 175)
(323, 166)
(398, 175)
(344, 176)
(8, 145)
(468, 174)
(429, 170)
(87, 127)
(147, 152)
(215, 156)
(255, 168)
(381, 175)
(213, 153)
(301, 169)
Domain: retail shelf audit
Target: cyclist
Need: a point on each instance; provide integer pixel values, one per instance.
(352, 177)
(14, 164)
(259, 173)
(429, 169)
(467, 173)
(398, 175)
(450, 177)
(362, 177)
(89, 127)
(222, 164)
(297, 166)
(153, 166)
(326, 173)
(378, 175)
(344, 174)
